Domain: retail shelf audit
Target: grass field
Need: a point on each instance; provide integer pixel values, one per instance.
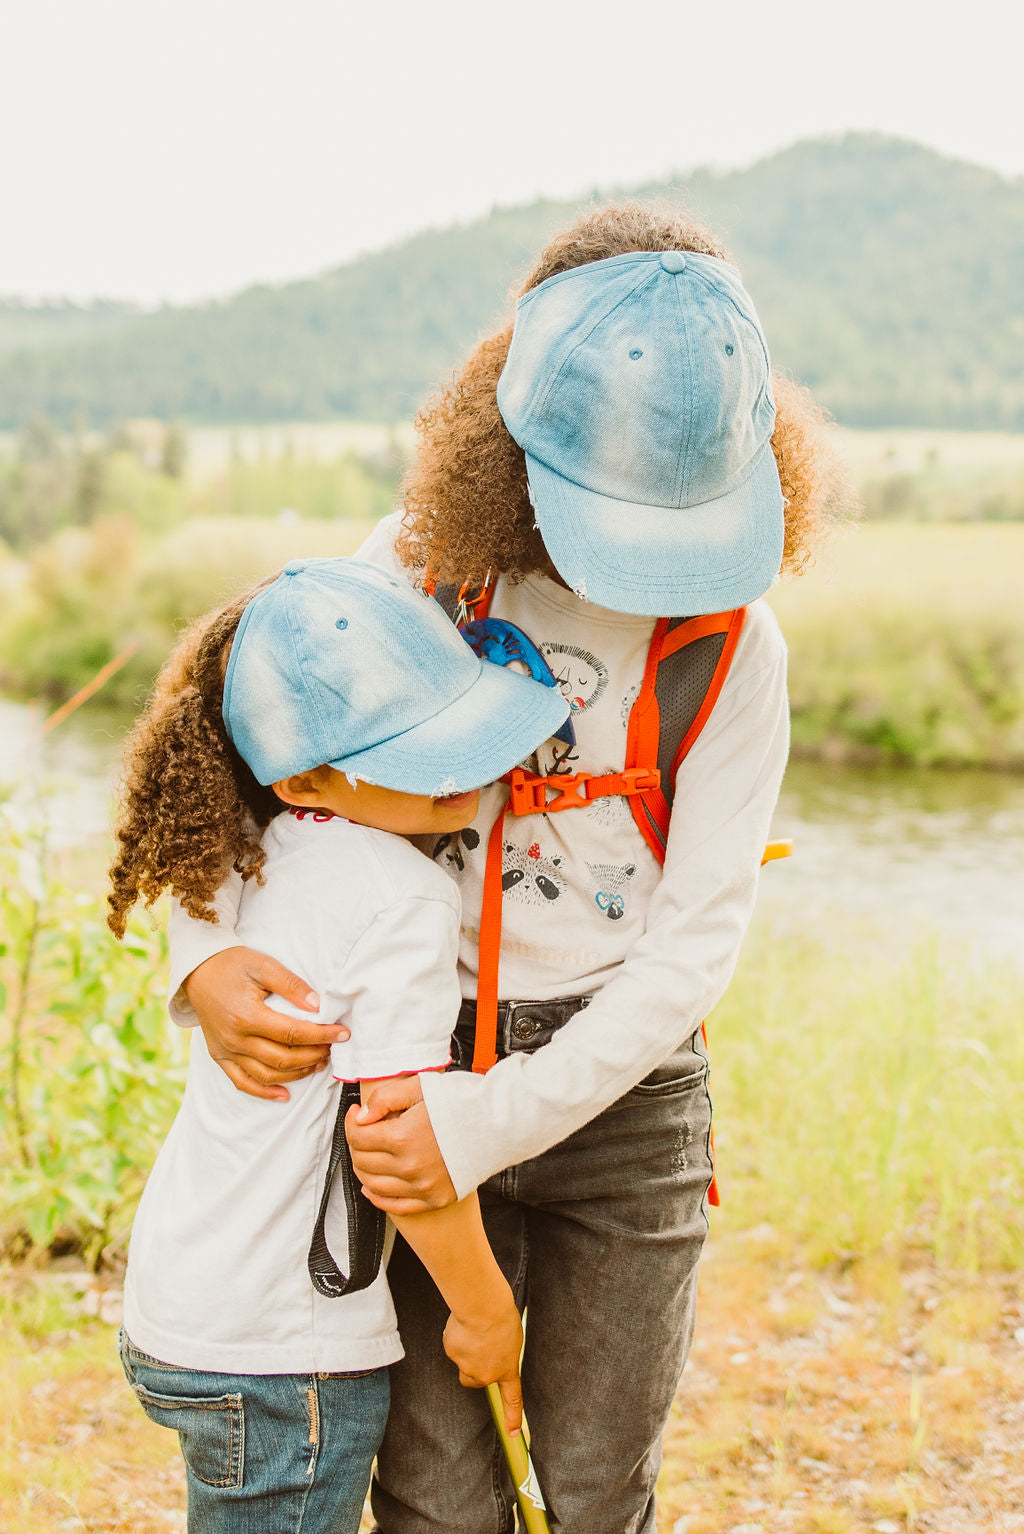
(813, 1403)
(859, 1364)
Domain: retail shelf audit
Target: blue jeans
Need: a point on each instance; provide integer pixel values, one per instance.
(267, 1453)
(599, 1238)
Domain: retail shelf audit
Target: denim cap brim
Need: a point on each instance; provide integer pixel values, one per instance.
(657, 561)
(338, 662)
(497, 723)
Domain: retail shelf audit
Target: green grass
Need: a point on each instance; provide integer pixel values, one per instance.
(868, 1102)
(907, 644)
(867, 1097)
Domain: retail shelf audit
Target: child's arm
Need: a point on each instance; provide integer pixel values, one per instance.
(484, 1335)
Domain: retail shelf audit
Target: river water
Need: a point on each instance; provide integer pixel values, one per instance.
(905, 853)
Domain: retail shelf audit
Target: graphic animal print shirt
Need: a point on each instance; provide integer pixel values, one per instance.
(576, 883)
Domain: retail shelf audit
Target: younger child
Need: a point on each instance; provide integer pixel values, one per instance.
(299, 736)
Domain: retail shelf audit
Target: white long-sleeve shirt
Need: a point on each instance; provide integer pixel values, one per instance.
(587, 908)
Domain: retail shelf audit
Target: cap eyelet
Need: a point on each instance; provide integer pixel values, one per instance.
(341, 623)
(636, 354)
(729, 348)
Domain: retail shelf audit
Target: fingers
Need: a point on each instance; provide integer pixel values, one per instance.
(248, 1084)
(511, 1390)
(253, 1021)
(394, 1136)
(278, 1056)
(399, 1158)
(262, 1074)
(403, 1205)
(390, 1097)
(512, 1402)
(270, 975)
(387, 1189)
(387, 1183)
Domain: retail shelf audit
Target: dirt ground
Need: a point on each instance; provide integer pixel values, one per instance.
(813, 1404)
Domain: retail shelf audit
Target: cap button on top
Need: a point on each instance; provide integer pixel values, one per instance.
(673, 261)
(294, 566)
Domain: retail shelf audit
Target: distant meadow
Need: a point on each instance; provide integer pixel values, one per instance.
(906, 638)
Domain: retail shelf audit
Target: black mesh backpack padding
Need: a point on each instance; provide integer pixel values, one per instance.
(680, 687)
(447, 598)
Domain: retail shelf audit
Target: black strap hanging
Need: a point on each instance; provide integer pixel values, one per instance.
(366, 1223)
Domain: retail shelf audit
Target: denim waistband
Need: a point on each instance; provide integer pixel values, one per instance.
(523, 1026)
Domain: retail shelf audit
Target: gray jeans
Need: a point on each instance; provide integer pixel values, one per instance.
(599, 1238)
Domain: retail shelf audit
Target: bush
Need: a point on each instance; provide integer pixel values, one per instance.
(92, 1066)
(87, 593)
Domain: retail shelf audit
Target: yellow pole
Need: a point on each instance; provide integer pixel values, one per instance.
(524, 1476)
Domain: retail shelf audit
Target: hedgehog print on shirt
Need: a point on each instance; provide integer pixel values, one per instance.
(580, 676)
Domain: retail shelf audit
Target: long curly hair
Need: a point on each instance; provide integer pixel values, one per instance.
(467, 506)
(189, 808)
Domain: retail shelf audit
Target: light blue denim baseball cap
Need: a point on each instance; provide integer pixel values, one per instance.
(639, 389)
(338, 662)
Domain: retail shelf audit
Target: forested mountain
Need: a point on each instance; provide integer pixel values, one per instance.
(28, 325)
(888, 277)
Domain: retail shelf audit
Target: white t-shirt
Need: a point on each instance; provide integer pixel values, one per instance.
(587, 908)
(217, 1276)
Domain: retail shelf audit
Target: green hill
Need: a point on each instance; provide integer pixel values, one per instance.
(29, 325)
(888, 277)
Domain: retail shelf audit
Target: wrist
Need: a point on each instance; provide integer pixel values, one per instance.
(489, 1302)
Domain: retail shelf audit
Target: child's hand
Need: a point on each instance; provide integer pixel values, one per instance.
(487, 1348)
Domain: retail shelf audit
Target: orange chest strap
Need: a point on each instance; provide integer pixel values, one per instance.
(530, 794)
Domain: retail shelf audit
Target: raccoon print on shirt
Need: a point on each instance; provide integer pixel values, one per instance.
(528, 876)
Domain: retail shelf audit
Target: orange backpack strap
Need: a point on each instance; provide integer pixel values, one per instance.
(687, 664)
(485, 1052)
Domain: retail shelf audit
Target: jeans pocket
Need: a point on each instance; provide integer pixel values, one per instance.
(683, 1071)
(210, 1428)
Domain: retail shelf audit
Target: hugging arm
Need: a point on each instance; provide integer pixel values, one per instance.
(223, 987)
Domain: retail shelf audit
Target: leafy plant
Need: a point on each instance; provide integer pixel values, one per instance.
(92, 1067)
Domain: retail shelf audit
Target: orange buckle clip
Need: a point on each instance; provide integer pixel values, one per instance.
(638, 780)
(528, 793)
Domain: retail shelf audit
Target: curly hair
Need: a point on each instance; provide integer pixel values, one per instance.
(189, 808)
(467, 504)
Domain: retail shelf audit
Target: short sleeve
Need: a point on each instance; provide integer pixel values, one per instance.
(400, 991)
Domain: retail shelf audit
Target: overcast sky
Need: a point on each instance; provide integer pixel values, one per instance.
(176, 149)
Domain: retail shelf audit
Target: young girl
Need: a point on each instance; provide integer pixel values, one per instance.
(621, 456)
(300, 736)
